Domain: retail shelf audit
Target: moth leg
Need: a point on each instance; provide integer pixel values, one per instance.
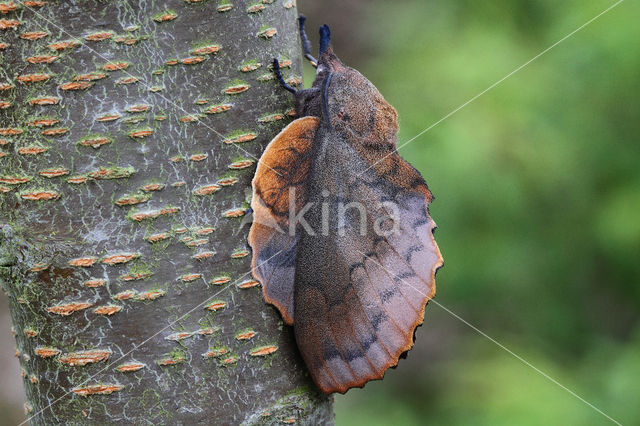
(306, 44)
(276, 70)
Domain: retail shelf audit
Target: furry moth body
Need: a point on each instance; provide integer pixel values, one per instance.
(342, 238)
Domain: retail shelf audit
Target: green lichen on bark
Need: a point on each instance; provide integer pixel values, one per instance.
(116, 253)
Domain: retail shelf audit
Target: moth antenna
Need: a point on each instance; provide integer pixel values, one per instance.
(325, 38)
(276, 70)
(306, 44)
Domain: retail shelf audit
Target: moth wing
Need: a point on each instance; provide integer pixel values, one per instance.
(361, 294)
(281, 175)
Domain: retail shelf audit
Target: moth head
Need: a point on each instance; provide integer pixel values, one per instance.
(353, 104)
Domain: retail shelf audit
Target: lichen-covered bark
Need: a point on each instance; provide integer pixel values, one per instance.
(129, 132)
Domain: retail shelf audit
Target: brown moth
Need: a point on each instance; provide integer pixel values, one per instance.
(342, 238)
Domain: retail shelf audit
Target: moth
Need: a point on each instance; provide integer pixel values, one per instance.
(342, 238)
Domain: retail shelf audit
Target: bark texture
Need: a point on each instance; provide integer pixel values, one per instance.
(129, 132)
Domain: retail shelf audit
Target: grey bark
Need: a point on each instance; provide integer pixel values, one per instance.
(129, 136)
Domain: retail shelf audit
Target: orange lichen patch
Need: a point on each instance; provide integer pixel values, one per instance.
(164, 17)
(97, 390)
(128, 40)
(245, 335)
(206, 331)
(213, 353)
(38, 267)
(94, 142)
(198, 157)
(171, 62)
(234, 213)
(85, 357)
(177, 159)
(103, 35)
(4, 105)
(153, 187)
(115, 66)
(205, 50)
(30, 332)
(5, 189)
(157, 237)
(206, 190)
(154, 213)
(239, 253)
(32, 150)
(33, 379)
(133, 200)
(138, 108)
(33, 78)
(284, 63)
(130, 367)
(230, 360)
(180, 230)
(264, 350)
(90, 77)
(178, 184)
(201, 101)
(4, 46)
(197, 243)
(83, 261)
(39, 195)
(189, 118)
(139, 134)
(235, 89)
(186, 239)
(192, 60)
(150, 295)
(34, 3)
(8, 6)
(108, 117)
(294, 81)
(136, 276)
(217, 109)
(77, 179)
(94, 283)
(291, 112)
(288, 4)
(127, 80)
(14, 180)
(216, 305)
(271, 117)
(6, 86)
(267, 77)
(107, 310)
(46, 351)
(6, 24)
(289, 420)
(55, 132)
(4, 142)
(43, 122)
(255, 8)
(190, 277)
(267, 33)
(112, 173)
(62, 45)
(51, 173)
(241, 164)
(179, 336)
(245, 137)
(76, 85)
(171, 361)
(125, 295)
(205, 231)
(248, 284)
(228, 181)
(42, 59)
(119, 258)
(69, 308)
(46, 100)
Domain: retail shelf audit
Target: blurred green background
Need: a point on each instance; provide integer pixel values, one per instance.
(537, 186)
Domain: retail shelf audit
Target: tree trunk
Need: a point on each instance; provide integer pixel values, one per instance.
(129, 137)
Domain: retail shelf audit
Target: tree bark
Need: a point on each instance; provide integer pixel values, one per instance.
(129, 137)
